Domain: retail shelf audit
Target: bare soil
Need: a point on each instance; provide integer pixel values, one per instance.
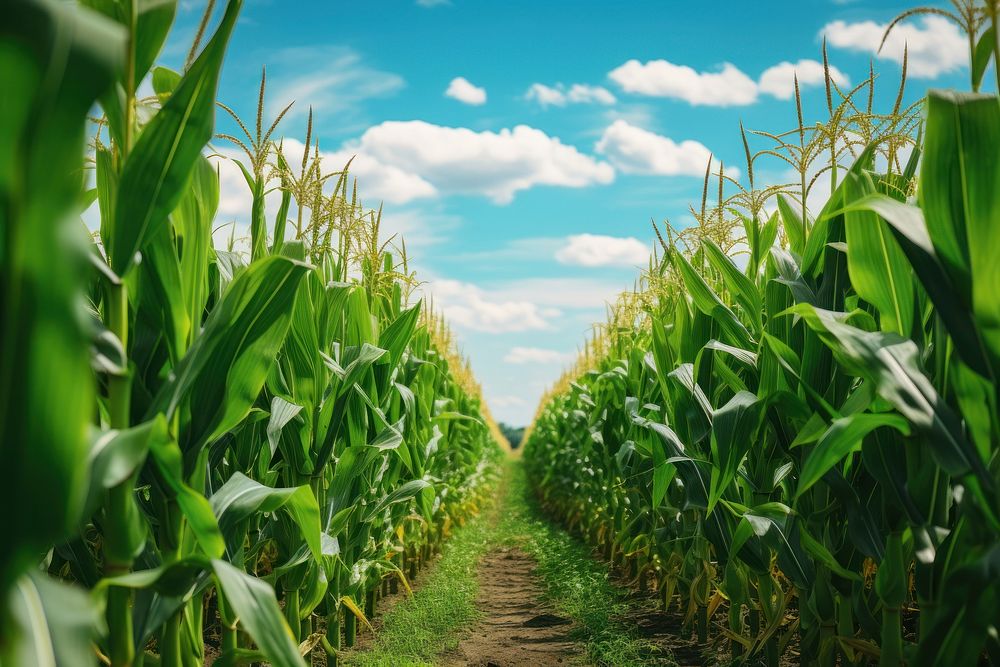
(517, 629)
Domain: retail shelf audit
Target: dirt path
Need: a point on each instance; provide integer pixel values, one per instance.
(517, 629)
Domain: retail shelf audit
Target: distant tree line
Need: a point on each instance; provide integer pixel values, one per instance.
(514, 434)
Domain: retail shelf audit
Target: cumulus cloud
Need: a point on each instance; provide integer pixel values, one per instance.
(469, 306)
(379, 180)
(536, 355)
(597, 250)
(935, 44)
(420, 225)
(779, 80)
(466, 92)
(464, 161)
(560, 96)
(404, 161)
(727, 87)
(659, 78)
(527, 304)
(635, 150)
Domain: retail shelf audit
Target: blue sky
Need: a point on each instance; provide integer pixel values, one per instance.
(525, 194)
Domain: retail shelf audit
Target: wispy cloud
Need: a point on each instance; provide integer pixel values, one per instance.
(330, 79)
(560, 95)
(506, 401)
(537, 355)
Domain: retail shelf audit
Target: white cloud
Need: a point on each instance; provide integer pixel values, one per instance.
(727, 87)
(399, 162)
(378, 181)
(528, 304)
(537, 355)
(578, 93)
(505, 401)
(469, 306)
(638, 151)
(337, 81)
(433, 3)
(779, 80)
(464, 91)
(598, 250)
(935, 46)
(421, 226)
(660, 78)
(464, 161)
(553, 295)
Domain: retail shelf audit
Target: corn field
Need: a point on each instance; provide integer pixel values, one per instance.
(228, 451)
(191, 434)
(790, 426)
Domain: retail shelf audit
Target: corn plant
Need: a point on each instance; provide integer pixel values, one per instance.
(233, 452)
(793, 418)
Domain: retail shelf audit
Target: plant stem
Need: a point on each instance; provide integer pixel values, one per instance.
(703, 624)
(350, 628)
(292, 612)
(117, 550)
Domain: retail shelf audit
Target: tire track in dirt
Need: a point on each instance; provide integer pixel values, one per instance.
(517, 629)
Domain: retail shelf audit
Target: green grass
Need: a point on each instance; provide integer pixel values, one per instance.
(431, 622)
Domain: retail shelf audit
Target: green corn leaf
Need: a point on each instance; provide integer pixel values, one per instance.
(282, 413)
(842, 438)
(116, 455)
(960, 196)
(241, 497)
(877, 266)
(795, 229)
(55, 60)
(734, 431)
(48, 624)
(709, 303)
(225, 369)
(957, 191)
(743, 289)
(176, 579)
(403, 493)
(195, 507)
(907, 223)
(159, 165)
(397, 335)
(982, 55)
(254, 603)
(891, 363)
(777, 525)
